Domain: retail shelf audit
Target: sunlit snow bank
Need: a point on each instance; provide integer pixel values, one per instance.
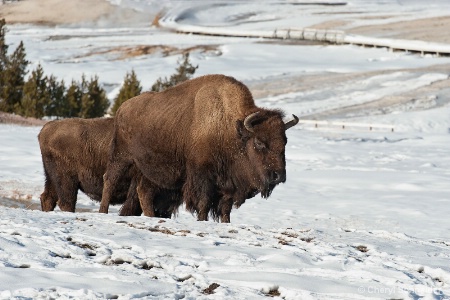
(63, 255)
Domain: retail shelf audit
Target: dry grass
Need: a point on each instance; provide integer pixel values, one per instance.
(362, 248)
(158, 17)
(273, 292)
(6, 118)
(211, 289)
(18, 195)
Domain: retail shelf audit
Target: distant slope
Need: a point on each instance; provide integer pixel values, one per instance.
(6, 118)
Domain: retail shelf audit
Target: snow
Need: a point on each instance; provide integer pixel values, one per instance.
(363, 213)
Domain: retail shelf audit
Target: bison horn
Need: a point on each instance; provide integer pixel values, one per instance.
(291, 123)
(249, 120)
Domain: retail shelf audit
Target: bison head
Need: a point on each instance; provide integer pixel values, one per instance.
(263, 140)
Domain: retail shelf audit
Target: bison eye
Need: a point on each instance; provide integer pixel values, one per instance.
(259, 145)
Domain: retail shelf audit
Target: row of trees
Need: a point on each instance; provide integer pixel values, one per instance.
(41, 95)
(132, 87)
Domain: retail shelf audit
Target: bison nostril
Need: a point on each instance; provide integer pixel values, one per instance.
(277, 177)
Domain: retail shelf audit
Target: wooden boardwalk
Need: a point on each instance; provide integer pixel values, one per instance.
(311, 34)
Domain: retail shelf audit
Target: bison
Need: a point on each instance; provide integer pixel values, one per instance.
(75, 154)
(204, 137)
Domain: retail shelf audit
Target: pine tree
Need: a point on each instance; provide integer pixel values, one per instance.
(12, 79)
(184, 72)
(44, 96)
(93, 101)
(86, 102)
(72, 105)
(131, 87)
(12, 73)
(35, 95)
(3, 62)
(3, 46)
(57, 98)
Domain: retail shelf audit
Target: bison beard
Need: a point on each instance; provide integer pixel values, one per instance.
(204, 139)
(267, 191)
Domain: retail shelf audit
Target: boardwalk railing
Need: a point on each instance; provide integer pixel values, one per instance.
(345, 125)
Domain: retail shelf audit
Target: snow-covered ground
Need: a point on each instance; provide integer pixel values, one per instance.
(363, 214)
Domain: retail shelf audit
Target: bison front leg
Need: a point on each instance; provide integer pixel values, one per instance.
(226, 204)
(198, 193)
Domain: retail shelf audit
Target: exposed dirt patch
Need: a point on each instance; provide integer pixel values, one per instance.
(423, 97)
(288, 84)
(428, 29)
(19, 203)
(331, 25)
(362, 248)
(56, 12)
(272, 292)
(210, 290)
(122, 52)
(27, 203)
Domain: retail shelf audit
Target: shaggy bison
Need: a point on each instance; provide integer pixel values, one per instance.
(75, 154)
(204, 137)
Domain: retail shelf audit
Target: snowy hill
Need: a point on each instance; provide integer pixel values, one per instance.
(363, 213)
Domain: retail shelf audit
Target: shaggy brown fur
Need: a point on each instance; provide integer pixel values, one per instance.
(192, 138)
(75, 154)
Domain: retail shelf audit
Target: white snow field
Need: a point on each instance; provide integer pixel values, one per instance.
(364, 213)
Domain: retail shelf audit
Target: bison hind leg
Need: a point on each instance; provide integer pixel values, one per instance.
(67, 193)
(116, 170)
(132, 206)
(49, 197)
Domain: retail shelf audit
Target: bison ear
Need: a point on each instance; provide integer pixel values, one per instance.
(242, 133)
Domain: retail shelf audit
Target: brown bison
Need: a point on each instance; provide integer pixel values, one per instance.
(75, 154)
(204, 137)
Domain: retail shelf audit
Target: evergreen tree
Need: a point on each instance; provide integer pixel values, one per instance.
(184, 72)
(12, 73)
(44, 96)
(3, 46)
(12, 79)
(86, 102)
(93, 101)
(3, 62)
(72, 105)
(131, 87)
(57, 98)
(35, 95)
